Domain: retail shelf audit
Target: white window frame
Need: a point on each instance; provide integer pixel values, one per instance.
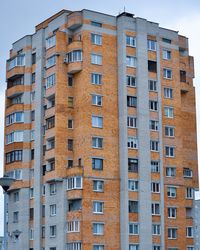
(169, 112)
(97, 142)
(97, 100)
(97, 121)
(74, 182)
(151, 45)
(172, 233)
(133, 228)
(96, 39)
(50, 81)
(96, 59)
(168, 93)
(52, 231)
(51, 61)
(132, 142)
(131, 61)
(153, 105)
(96, 78)
(156, 229)
(98, 207)
(171, 212)
(154, 207)
(130, 81)
(152, 85)
(155, 167)
(154, 146)
(52, 209)
(170, 171)
(189, 193)
(50, 42)
(131, 41)
(131, 122)
(99, 186)
(167, 73)
(167, 54)
(154, 125)
(98, 228)
(133, 185)
(169, 131)
(155, 187)
(73, 226)
(170, 151)
(52, 188)
(171, 192)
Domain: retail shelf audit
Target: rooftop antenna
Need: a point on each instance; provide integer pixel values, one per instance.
(124, 9)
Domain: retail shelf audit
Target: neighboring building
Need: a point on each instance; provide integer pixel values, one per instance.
(197, 224)
(1, 243)
(100, 135)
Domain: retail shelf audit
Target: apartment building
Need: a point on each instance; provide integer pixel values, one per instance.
(100, 136)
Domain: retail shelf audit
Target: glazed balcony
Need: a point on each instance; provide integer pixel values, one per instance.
(74, 59)
(75, 20)
(15, 66)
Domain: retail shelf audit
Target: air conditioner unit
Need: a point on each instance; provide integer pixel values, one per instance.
(65, 60)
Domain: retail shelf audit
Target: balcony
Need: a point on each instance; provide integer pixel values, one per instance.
(75, 20)
(15, 91)
(74, 60)
(15, 66)
(184, 87)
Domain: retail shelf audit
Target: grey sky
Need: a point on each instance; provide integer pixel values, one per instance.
(19, 17)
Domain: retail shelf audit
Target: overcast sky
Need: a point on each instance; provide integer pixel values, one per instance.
(19, 17)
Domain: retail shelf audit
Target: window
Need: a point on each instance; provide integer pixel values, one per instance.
(155, 167)
(189, 212)
(31, 193)
(167, 54)
(131, 41)
(154, 146)
(130, 81)
(74, 205)
(74, 56)
(133, 165)
(15, 217)
(16, 196)
(172, 233)
(132, 101)
(15, 174)
(50, 42)
(33, 115)
(70, 163)
(133, 247)
(98, 247)
(16, 136)
(32, 154)
(132, 185)
(96, 39)
(156, 248)
(97, 24)
(153, 105)
(70, 123)
(171, 211)
(31, 234)
(15, 81)
(96, 59)
(32, 136)
(187, 173)
(168, 93)
(32, 96)
(50, 165)
(155, 209)
(169, 151)
(96, 78)
(43, 211)
(33, 75)
(98, 228)
(50, 143)
(14, 118)
(153, 125)
(131, 122)
(50, 122)
(70, 102)
(97, 100)
(166, 40)
(171, 192)
(133, 206)
(132, 142)
(74, 246)
(156, 229)
(70, 79)
(155, 187)
(53, 210)
(169, 112)
(14, 156)
(133, 228)
(51, 61)
(182, 76)
(131, 61)
(167, 73)
(189, 193)
(151, 45)
(18, 99)
(53, 231)
(52, 188)
(152, 66)
(33, 58)
(97, 164)
(70, 143)
(74, 182)
(98, 207)
(97, 121)
(97, 142)
(31, 213)
(43, 190)
(73, 226)
(152, 85)
(50, 81)
(98, 186)
(169, 131)
(17, 61)
(170, 171)
(190, 248)
(43, 232)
